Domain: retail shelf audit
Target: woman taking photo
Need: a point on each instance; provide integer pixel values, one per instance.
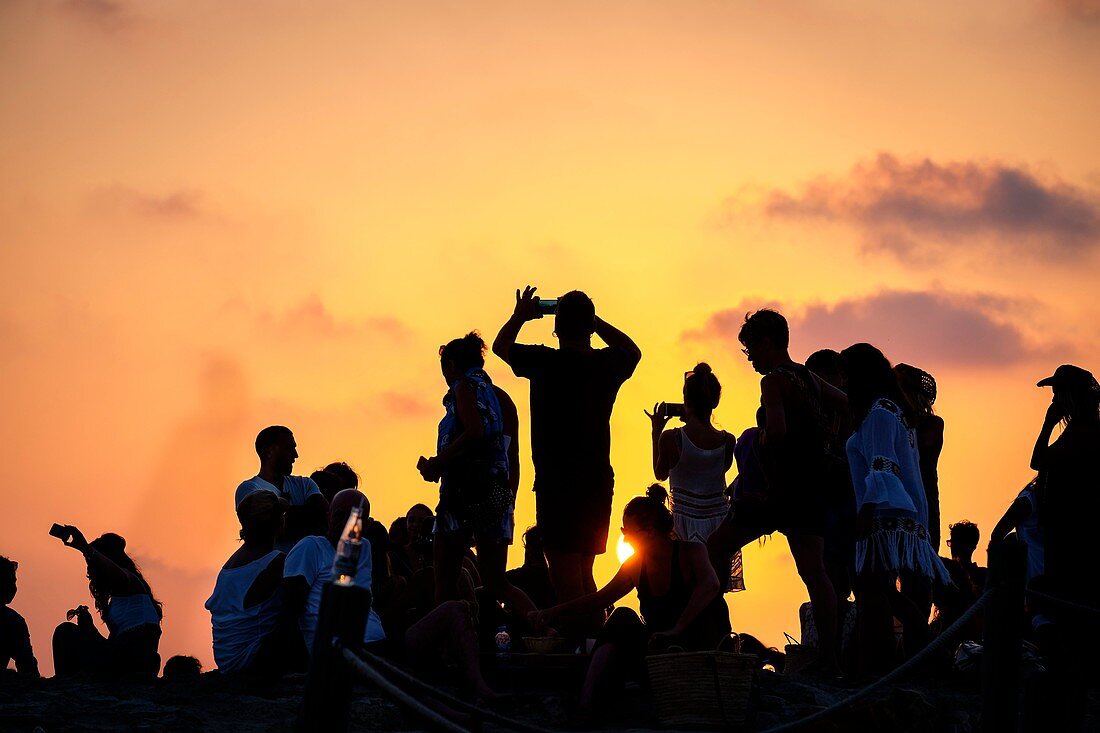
(695, 459)
(124, 602)
(678, 593)
(476, 496)
(892, 536)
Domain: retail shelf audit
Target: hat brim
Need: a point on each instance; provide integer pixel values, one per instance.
(1047, 382)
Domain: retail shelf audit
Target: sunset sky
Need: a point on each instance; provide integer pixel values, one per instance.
(216, 216)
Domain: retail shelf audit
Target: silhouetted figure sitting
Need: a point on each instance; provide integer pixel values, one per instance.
(127, 606)
(349, 479)
(15, 639)
(329, 483)
(892, 530)
(181, 668)
(573, 390)
(308, 509)
(250, 631)
(308, 568)
(533, 577)
(678, 593)
(968, 581)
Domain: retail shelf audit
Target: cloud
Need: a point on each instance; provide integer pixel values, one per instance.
(919, 208)
(180, 205)
(405, 405)
(1085, 11)
(106, 15)
(312, 317)
(934, 328)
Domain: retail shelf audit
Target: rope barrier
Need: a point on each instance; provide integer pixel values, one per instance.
(1069, 605)
(406, 700)
(487, 715)
(913, 661)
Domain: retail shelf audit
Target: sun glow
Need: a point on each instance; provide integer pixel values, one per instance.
(623, 549)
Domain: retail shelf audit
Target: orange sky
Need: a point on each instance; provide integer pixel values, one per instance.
(217, 216)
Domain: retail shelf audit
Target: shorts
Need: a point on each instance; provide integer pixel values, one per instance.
(792, 517)
(574, 519)
(497, 528)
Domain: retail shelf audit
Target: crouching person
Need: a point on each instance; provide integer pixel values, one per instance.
(251, 632)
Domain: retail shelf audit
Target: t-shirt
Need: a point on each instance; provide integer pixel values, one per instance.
(312, 560)
(239, 631)
(1029, 533)
(296, 489)
(15, 642)
(572, 395)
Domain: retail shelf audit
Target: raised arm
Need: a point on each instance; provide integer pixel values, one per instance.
(1017, 512)
(616, 339)
(663, 445)
(526, 310)
(1053, 417)
(121, 581)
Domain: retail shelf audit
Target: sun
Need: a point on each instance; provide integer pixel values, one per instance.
(623, 549)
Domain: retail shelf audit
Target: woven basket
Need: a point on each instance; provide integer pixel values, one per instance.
(798, 657)
(701, 689)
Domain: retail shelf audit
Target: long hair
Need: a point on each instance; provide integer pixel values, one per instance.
(870, 378)
(113, 547)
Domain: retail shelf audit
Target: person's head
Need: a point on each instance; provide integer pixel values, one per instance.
(765, 337)
(329, 483)
(647, 520)
(825, 363)
(276, 448)
(399, 532)
(1076, 393)
(919, 386)
(182, 667)
(534, 551)
(702, 391)
(7, 580)
(340, 509)
(460, 355)
(423, 542)
(964, 538)
(575, 318)
(262, 515)
(379, 539)
(415, 517)
(349, 479)
(113, 547)
(869, 377)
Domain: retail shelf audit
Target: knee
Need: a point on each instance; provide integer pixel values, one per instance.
(64, 632)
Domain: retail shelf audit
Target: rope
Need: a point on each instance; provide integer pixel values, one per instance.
(406, 700)
(1069, 605)
(913, 661)
(487, 715)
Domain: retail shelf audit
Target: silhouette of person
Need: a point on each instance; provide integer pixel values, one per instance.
(15, 638)
(533, 577)
(1022, 516)
(968, 580)
(695, 459)
(277, 449)
(127, 606)
(573, 390)
(792, 447)
(892, 530)
(678, 593)
(250, 631)
(308, 568)
(476, 503)
(920, 387)
(329, 483)
(349, 479)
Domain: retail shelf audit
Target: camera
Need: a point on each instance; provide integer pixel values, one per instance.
(59, 531)
(671, 409)
(548, 306)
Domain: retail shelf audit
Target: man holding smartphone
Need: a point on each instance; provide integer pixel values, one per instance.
(573, 390)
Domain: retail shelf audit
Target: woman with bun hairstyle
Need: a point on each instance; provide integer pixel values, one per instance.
(124, 602)
(678, 593)
(473, 464)
(695, 459)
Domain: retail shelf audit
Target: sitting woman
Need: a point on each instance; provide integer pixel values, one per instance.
(250, 632)
(127, 606)
(678, 593)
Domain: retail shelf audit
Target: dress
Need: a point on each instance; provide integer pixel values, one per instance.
(698, 493)
(892, 510)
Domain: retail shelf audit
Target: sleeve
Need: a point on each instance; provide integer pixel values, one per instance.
(243, 490)
(622, 363)
(883, 484)
(303, 561)
(308, 488)
(22, 653)
(526, 360)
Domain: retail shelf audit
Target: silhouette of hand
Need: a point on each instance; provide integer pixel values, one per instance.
(76, 538)
(82, 615)
(661, 640)
(429, 468)
(527, 304)
(1054, 415)
(656, 418)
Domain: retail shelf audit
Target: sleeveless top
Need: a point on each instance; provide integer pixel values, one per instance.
(798, 463)
(237, 630)
(698, 490)
(662, 612)
(129, 612)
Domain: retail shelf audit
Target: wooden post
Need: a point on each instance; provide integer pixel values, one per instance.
(1004, 617)
(343, 617)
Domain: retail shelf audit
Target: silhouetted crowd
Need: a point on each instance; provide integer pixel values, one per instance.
(841, 459)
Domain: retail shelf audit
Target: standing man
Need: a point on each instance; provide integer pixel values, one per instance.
(308, 510)
(573, 391)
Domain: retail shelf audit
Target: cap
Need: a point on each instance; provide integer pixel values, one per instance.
(1071, 377)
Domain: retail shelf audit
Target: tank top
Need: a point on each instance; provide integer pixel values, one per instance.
(129, 612)
(662, 612)
(698, 490)
(238, 631)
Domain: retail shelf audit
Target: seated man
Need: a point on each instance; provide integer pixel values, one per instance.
(306, 514)
(308, 569)
(250, 632)
(15, 639)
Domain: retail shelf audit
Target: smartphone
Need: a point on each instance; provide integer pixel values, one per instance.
(59, 531)
(671, 409)
(548, 306)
